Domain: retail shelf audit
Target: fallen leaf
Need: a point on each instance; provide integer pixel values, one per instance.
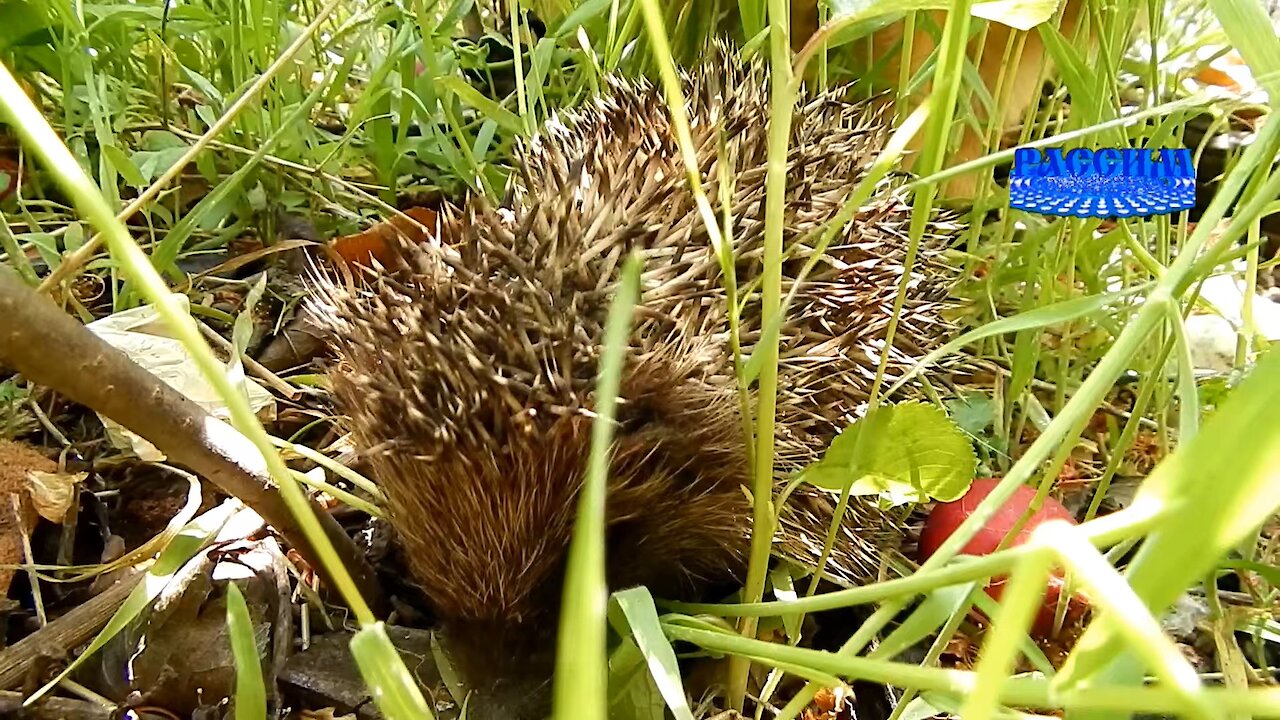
(375, 244)
(1213, 76)
(240, 261)
(52, 493)
(146, 339)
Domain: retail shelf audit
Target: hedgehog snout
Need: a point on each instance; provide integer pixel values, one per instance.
(526, 698)
(505, 667)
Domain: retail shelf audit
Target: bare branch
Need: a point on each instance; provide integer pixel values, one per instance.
(53, 349)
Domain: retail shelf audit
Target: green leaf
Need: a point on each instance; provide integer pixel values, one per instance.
(487, 107)
(583, 13)
(784, 589)
(911, 451)
(242, 332)
(73, 238)
(457, 9)
(151, 164)
(45, 244)
(1078, 76)
(24, 23)
(125, 165)
(162, 140)
(251, 693)
(448, 674)
(936, 609)
(1017, 14)
(921, 709)
(973, 412)
(206, 88)
(636, 605)
(632, 692)
(539, 66)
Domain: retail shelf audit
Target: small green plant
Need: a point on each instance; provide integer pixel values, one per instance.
(15, 419)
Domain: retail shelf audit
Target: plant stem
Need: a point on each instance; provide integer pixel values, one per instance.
(781, 106)
(1025, 692)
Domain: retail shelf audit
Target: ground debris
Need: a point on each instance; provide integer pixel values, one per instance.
(325, 675)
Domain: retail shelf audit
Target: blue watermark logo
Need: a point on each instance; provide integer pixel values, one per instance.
(1111, 182)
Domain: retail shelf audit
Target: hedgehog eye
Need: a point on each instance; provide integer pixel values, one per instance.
(634, 417)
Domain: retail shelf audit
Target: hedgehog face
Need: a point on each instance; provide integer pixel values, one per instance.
(507, 667)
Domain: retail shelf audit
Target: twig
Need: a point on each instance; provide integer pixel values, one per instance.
(52, 349)
(36, 595)
(70, 631)
(47, 423)
(51, 708)
(254, 366)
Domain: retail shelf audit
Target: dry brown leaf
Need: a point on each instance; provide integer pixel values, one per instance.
(53, 492)
(1210, 75)
(375, 243)
(240, 261)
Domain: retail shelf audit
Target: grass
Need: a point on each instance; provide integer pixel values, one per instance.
(195, 122)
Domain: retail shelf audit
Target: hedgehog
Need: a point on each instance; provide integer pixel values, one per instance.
(465, 371)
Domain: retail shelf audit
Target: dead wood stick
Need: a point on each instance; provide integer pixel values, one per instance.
(65, 633)
(53, 349)
(53, 708)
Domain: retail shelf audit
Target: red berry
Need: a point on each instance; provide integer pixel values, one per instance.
(946, 517)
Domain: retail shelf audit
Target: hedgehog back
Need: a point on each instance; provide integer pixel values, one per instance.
(467, 373)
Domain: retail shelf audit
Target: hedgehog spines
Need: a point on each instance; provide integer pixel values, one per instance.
(481, 354)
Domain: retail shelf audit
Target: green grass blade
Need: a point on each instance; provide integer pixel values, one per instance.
(168, 250)
(581, 679)
(637, 607)
(251, 693)
(1218, 489)
(506, 119)
(1253, 34)
(1023, 593)
(933, 612)
(1059, 312)
(390, 683)
(1022, 691)
(1115, 598)
(1188, 395)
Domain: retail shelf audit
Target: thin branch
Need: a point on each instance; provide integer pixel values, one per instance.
(52, 349)
(65, 633)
